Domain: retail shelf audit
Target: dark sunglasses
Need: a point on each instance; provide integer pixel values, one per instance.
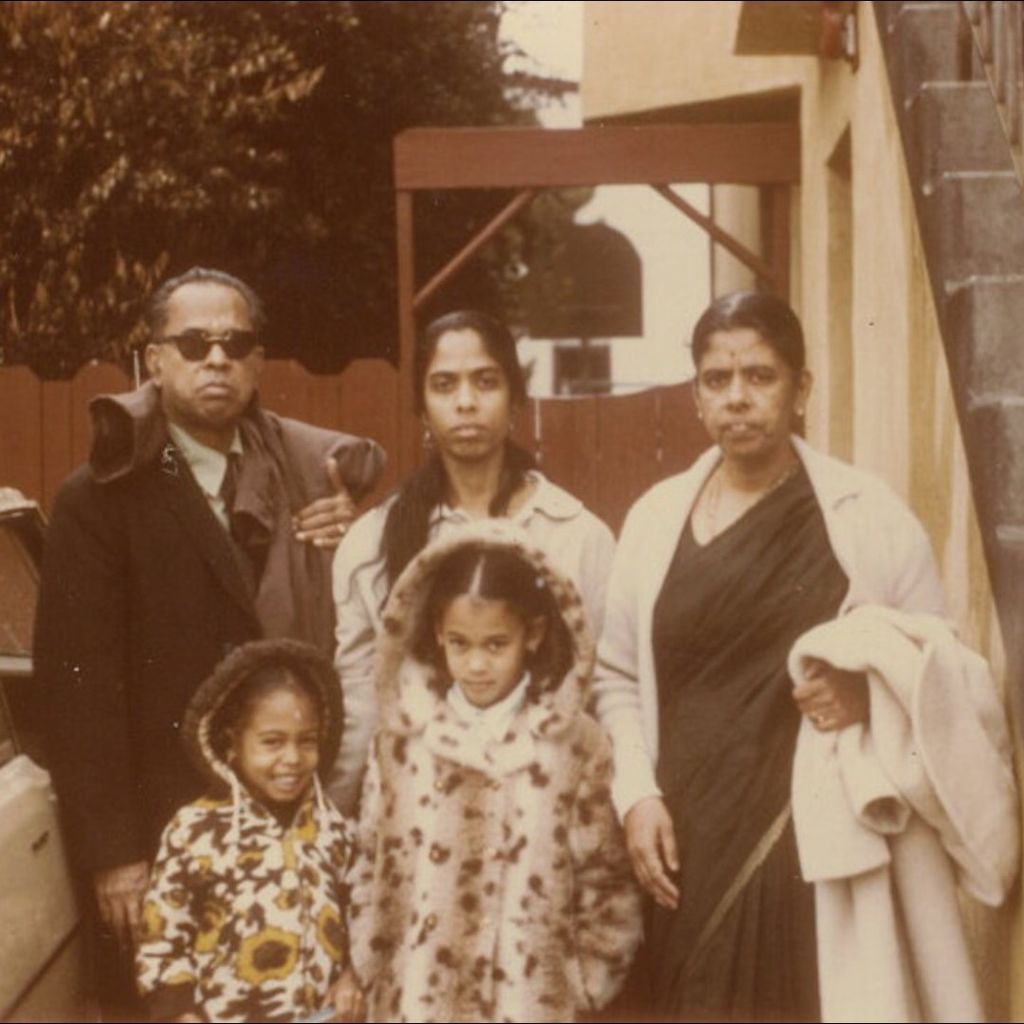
(195, 343)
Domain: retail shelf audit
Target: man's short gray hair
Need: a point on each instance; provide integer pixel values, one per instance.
(156, 308)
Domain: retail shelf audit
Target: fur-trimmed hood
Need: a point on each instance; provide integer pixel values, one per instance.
(301, 659)
(409, 704)
(243, 918)
(493, 881)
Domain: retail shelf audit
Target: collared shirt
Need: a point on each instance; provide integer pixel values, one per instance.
(208, 467)
(495, 718)
(544, 498)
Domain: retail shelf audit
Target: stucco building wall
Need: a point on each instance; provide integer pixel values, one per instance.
(882, 396)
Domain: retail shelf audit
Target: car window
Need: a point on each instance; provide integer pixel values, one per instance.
(8, 748)
(19, 587)
(21, 545)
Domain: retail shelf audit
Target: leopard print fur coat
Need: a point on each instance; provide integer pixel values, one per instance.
(491, 880)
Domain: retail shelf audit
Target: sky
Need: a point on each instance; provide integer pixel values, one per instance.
(550, 32)
(671, 250)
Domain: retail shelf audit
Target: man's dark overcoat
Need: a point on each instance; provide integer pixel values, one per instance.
(141, 596)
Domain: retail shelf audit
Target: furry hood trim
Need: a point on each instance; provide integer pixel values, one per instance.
(407, 701)
(301, 659)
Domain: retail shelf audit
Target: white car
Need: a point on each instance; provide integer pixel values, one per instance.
(43, 967)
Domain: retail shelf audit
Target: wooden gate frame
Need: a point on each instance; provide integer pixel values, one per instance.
(766, 154)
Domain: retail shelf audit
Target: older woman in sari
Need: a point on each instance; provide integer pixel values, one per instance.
(718, 571)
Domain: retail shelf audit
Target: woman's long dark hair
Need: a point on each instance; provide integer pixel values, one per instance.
(765, 313)
(407, 526)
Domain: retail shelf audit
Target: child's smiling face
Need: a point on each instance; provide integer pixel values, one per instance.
(277, 748)
(485, 644)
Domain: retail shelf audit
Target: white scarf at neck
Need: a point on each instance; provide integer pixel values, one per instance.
(494, 719)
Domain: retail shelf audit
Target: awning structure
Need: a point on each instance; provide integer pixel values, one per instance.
(766, 154)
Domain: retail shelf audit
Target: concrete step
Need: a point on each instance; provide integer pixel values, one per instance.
(925, 45)
(994, 437)
(971, 215)
(984, 320)
(985, 329)
(973, 222)
(1006, 570)
(954, 126)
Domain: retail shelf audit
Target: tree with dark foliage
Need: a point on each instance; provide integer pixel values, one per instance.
(140, 138)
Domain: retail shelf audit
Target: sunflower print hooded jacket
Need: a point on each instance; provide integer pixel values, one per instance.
(244, 917)
(492, 881)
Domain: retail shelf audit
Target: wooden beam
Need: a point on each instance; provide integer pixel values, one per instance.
(719, 235)
(406, 454)
(441, 158)
(472, 247)
(777, 237)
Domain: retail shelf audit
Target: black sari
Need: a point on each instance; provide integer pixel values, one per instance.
(741, 946)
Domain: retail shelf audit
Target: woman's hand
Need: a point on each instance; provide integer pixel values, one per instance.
(831, 697)
(651, 842)
(347, 998)
(324, 522)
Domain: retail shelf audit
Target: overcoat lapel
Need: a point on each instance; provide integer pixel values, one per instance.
(186, 501)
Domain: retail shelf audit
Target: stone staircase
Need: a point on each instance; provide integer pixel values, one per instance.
(970, 209)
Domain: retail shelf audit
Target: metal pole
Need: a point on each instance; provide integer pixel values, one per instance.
(406, 420)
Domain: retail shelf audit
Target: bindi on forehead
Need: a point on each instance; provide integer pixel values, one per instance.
(741, 349)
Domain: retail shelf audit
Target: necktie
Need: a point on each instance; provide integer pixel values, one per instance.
(236, 522)
(229, 485)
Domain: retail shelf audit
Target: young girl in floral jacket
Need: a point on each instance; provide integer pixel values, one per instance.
(244, 918)
(491, 880)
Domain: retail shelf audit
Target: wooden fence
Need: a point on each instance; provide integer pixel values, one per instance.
(605, 449)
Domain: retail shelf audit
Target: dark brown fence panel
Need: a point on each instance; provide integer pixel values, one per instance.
(526, 429)
(21, 436)
(55, 439)
(682, 436)
(569, 450)
(373, 405)
(629, 452)
(363, 400)
(65, 422)
(93, 379)
(606, 450)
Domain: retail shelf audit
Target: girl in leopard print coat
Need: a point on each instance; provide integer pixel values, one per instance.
(491, 880)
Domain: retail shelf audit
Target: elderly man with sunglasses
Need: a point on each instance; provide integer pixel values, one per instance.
(200, 521)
